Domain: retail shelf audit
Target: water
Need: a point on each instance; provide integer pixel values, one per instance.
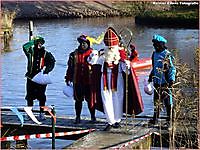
(61, 39)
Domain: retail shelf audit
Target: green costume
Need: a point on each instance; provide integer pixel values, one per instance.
(38, 59)
(46, 58)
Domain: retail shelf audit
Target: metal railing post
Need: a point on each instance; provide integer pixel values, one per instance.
(30, 30)
(53, 127)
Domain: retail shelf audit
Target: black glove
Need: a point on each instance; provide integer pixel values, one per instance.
(150, 79)
(170, 84)
(68, 83)
(45, 72)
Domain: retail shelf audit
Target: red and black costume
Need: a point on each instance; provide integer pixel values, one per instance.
(79, 72)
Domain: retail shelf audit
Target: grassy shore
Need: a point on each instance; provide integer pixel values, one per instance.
(177, 16)
(147, 13)
(76, 9)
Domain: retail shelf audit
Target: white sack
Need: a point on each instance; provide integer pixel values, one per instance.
(68, 91)
(41, 78)
(93, 58)
(148, 89)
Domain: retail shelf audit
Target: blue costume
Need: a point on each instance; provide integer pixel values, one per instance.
(163, 76)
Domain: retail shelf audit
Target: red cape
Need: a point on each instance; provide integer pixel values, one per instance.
(135, 103)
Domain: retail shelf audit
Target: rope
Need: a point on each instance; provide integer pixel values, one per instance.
(44, 135)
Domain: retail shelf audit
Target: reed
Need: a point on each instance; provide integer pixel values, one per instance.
(185, 110)
(7, 20)
(183, 131)
(7, 28)
(196, 58)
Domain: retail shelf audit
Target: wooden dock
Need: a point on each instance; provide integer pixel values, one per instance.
(132, 132)
(116, 138)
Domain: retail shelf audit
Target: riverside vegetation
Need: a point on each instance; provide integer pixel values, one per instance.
(184, 129)
(146, 13)
(7, 28)
(177, 16)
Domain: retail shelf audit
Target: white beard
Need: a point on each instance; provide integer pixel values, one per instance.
(112, 55)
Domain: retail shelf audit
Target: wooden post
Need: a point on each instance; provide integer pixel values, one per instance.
(6, 39)
(198, 122)
(30, 30)
(126, 98)
(127, 76)
(53, 127)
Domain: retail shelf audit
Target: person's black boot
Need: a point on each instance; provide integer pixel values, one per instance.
(77, 120)
(108, 128)
(92, 113)
(153, 121)
(116, 125)
(93, 119)
(169, 113)
(78, 107)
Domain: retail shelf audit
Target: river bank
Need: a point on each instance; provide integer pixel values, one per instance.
(157, 14)
(72, 9)
(34, 10)
(177, 16)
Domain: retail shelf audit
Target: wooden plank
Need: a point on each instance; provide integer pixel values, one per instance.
(62, 122)
(99, 140)
(67, 122)
(109, 139)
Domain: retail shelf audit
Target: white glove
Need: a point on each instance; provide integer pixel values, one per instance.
(69, 83)
(128, 63)
(92, 59)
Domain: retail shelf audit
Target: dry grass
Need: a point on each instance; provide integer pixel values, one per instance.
(6, 28)
(183, 123)
(7, 20)
(185, 95)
